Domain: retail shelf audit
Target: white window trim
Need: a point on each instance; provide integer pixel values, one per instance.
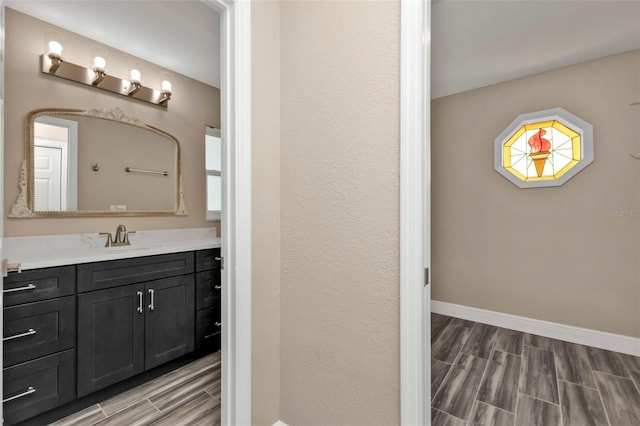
(212, 131)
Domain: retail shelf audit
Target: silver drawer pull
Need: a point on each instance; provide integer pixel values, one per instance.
(140, 309)
(29, 391)
(217, 287)
(218, 324)
(151, 297)
(27, 287)
(16, 336)
(208, 336)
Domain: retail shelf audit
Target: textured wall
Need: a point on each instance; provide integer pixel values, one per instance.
(265, 199)
(193, 106)
(340, 196)
(569, 254)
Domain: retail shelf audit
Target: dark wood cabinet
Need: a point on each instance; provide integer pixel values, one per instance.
(128, 329)
(73, 330)
(208, 288)
(36, 329)
(38, 284)
(208, 291)
(169, 319)
(100, 275)
(39, 334)
(208, 328)
(208, 259)
(110, 336)
(33, 387)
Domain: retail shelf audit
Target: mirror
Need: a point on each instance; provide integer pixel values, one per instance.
(98, 163)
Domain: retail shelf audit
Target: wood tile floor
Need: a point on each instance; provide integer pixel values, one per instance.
(189, 395)
(485, 375)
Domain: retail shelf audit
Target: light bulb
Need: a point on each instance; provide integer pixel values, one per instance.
(99, 64)
(166, 86)
(55, 49)
(136, 77)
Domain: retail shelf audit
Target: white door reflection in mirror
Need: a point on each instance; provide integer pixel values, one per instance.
(213, 161)
(50, 192)
(55, 164)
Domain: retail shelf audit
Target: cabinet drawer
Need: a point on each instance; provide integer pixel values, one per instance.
(102, 275)
(39, 328)
(36, 386)
(206, 259)
(39, 284)
(207, 289)
(207, 332)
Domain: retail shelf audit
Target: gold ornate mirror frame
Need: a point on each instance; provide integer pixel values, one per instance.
(25, 202)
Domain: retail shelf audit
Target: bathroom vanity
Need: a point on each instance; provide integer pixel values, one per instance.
(76, 329)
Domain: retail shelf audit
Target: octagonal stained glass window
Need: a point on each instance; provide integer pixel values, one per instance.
(544, 148)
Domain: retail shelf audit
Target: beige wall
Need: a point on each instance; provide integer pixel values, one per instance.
(114, 146)
(265, 213)
(340, 327)
(555, 254)
(193, 106)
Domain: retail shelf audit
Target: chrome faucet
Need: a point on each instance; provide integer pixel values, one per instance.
(121, 238)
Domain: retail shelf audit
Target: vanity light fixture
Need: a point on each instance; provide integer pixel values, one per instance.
(98, 68)
(136, 82)
(166, 91)
(96, 76)
(55, 55)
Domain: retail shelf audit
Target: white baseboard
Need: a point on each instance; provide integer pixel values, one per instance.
(584, 336)
(280, 423)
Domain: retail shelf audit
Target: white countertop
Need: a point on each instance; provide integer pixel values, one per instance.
(57, 250)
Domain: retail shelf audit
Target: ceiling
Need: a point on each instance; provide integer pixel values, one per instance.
(475, 43)
(182, 36)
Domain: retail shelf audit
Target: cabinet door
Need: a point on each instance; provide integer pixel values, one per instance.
(110, 336)
(169, 319)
